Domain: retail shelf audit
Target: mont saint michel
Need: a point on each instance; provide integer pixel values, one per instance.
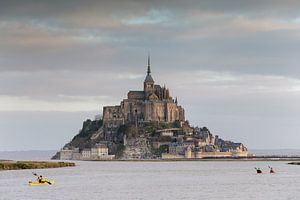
(148, 124)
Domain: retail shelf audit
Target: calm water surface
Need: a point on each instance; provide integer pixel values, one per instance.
(157, 180)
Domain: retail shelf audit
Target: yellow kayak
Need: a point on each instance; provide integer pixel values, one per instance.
(39, 184)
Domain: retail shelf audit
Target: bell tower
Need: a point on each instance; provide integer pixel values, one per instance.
(149, 82)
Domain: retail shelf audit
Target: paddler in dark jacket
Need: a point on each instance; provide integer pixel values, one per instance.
(40, 179)
(258, 170)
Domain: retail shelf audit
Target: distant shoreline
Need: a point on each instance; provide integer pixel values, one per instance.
(19, 165)
(294, 163)
(252, 159)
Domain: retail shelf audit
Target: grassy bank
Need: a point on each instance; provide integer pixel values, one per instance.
(15, 165)
(294, 163)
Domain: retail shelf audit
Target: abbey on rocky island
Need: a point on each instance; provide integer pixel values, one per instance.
(148, 124)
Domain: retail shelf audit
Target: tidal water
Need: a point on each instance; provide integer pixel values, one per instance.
(234, 180)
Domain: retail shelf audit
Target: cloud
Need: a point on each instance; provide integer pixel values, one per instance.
(217, 25)
(59, 103)
(42, 84)
(98, 35)
(151, 17)
(223, 86)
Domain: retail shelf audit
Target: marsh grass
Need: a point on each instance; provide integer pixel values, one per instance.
(5, 165)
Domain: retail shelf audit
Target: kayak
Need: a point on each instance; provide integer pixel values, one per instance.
(39, 184)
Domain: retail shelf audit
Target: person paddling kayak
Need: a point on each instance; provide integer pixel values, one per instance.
(271, 170)
(40, 180)
(258, 170)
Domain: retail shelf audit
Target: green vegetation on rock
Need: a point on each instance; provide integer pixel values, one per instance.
(89, 127)
(119, 150)
(162, 149)
(83, 138)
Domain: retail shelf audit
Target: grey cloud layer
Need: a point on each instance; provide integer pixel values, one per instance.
(244, 36)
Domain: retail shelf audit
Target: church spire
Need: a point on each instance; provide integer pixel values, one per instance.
(149, 70)
(149, 82)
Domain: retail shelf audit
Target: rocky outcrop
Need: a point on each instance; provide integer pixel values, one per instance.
(90, 134)
(138, 148)
(151, 140)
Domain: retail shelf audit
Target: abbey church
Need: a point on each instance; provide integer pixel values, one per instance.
(153, 104)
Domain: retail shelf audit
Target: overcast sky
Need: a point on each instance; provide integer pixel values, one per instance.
(233, 64)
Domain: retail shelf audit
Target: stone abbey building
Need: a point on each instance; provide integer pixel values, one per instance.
(148, 124)
(153, 104)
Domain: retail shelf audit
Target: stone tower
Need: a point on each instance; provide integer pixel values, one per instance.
(149, 82)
